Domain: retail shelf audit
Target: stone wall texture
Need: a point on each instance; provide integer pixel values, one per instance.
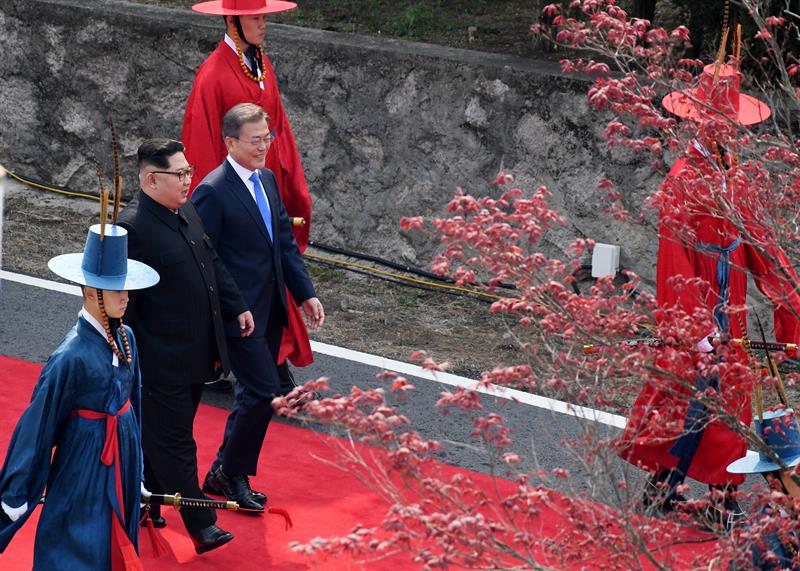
(385, 128)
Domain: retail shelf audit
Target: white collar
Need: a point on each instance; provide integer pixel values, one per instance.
(232, 45)
(243, 173)
(90, 319)
(707, 155)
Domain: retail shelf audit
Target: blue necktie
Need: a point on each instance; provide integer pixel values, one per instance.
(261, 201)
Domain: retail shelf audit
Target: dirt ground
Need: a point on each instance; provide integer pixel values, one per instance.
(362, 313)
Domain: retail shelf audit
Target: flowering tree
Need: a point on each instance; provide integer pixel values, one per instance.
(438, 517)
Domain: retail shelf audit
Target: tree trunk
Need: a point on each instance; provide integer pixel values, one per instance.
(645, 9)
(697, 29)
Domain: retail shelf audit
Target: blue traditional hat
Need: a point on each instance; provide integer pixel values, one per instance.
(104, 263)
(781, 433)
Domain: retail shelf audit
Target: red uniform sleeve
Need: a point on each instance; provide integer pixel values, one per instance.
(777, 279)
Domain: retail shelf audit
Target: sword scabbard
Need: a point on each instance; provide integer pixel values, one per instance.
(179, 502)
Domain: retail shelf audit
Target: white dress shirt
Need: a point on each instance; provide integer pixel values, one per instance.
(245, 175)
(96, 324)
(248, 63)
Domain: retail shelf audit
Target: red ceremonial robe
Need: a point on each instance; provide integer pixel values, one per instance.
(220, 84)
(656, 419)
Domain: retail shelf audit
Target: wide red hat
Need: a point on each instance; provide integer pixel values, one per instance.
(243, 7)
(720, 97)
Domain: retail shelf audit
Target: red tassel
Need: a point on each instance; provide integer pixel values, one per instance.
(284, 514)
(159, 545)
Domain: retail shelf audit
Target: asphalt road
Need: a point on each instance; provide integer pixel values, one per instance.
(34, 320)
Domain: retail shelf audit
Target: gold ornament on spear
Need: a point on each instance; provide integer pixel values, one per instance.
(737, 46)
(103, 197)
(116, 190)
(723, 44)
(117, 174)
(720, 56)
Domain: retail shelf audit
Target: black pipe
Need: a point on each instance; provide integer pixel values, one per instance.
(391, 264)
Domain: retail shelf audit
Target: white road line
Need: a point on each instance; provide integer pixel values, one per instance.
(38, 282)
(395, 366)
(456, 381)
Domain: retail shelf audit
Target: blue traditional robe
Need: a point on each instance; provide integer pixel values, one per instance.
(74, 529)
(769, 553)
(778, 559)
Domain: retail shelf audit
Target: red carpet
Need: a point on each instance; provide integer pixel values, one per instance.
(322, 501)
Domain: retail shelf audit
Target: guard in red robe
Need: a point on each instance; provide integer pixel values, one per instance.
(696, 242)
(238, 71)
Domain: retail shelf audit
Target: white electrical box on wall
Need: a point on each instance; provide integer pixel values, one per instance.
(605, 260)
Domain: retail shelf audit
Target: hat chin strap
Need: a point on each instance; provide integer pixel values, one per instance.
(252, 51)
(239, 30)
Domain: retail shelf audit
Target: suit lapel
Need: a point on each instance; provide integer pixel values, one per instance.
(240, 191)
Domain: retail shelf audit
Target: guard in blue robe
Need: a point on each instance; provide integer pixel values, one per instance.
(781, 433)
(74, 531)
(86, 405)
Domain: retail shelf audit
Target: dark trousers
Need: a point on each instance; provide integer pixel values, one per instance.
(253, 361)
(170, 452)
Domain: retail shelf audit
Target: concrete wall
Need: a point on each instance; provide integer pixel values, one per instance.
(385, 128)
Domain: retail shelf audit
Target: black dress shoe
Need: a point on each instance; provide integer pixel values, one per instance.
(210, 538)
(154, 512)
(237, 489)
(211, 486)
(658, 498)
(158, 522)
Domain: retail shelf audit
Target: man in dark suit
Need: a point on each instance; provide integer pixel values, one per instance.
(241, 208)
(179, 326)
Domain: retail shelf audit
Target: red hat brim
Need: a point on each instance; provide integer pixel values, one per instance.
(685, 104)
(214, 8)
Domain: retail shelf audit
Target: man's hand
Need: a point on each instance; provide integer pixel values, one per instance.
(145, 496)
(705, 344)
(315, 315)
(246, 324)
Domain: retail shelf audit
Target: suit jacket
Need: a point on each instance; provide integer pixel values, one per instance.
(259, 267)
(179, 323)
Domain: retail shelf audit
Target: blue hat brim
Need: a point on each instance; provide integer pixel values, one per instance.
(139, 275)
(753, 464)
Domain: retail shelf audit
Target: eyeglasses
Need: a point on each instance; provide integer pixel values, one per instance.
(184, 175)
(258, 141)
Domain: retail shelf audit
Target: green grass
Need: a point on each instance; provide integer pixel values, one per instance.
(324, 273)
(413, 22)
(407, 297)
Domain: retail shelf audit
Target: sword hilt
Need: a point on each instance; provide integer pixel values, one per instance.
(177, 501)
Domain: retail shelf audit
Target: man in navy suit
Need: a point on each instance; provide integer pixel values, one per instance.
(243, 215)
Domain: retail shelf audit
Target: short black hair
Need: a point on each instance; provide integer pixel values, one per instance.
(156, 152)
